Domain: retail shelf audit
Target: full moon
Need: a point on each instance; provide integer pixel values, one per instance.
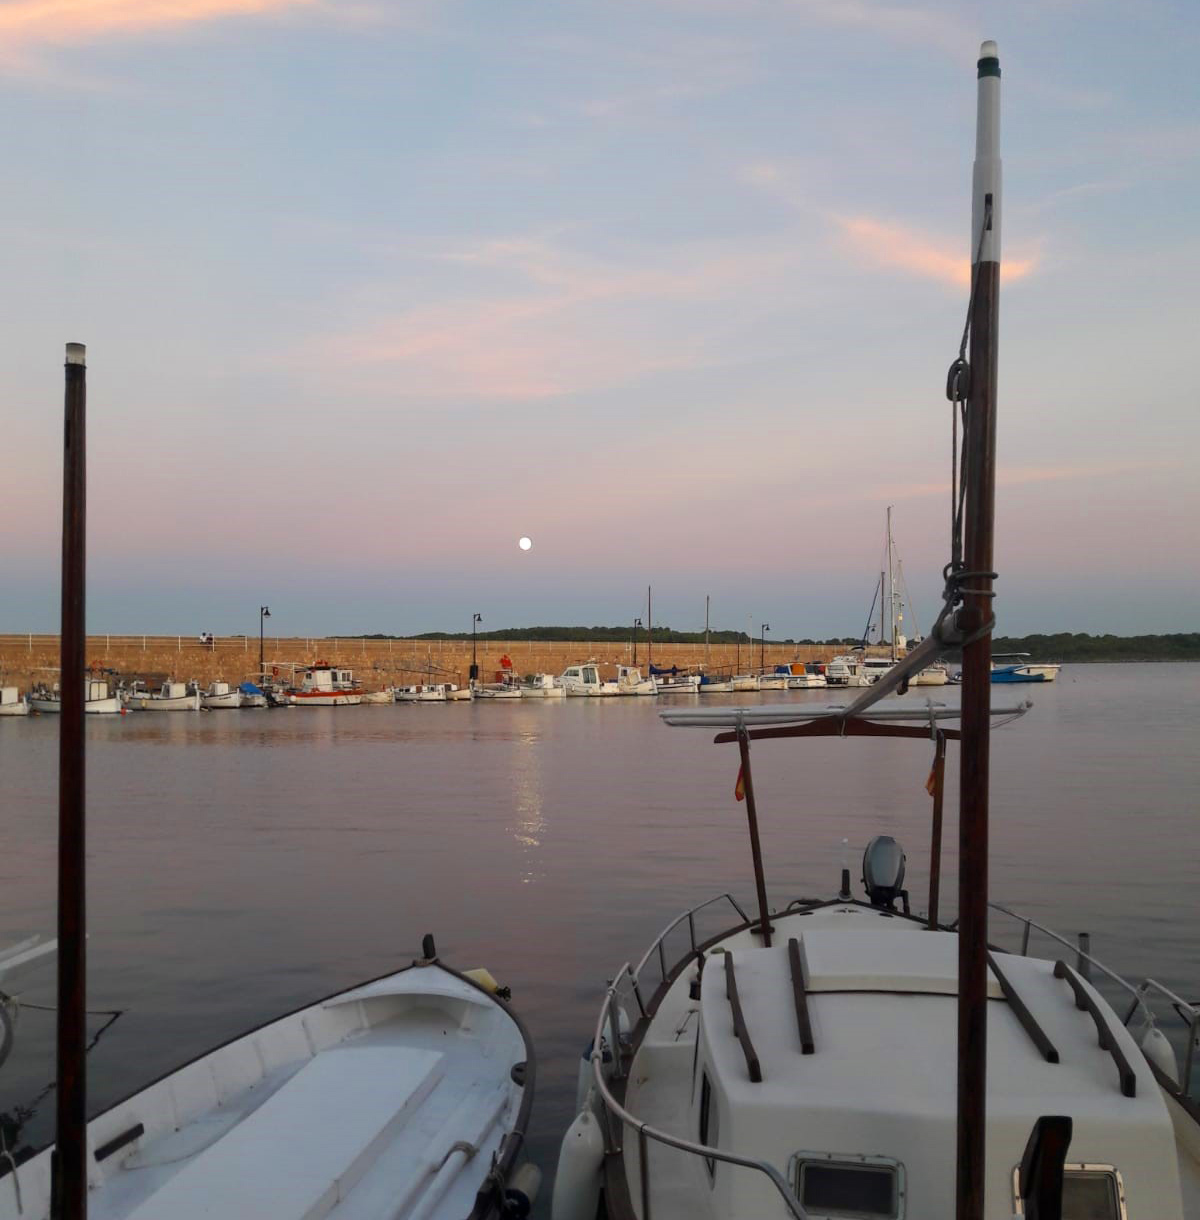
(525, 543)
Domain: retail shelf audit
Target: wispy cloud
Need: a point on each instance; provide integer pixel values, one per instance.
(887, 244)
(26, 23)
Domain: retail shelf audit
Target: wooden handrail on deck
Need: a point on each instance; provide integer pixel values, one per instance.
(739, 1022)
(807, 1046)
(1108, 1040)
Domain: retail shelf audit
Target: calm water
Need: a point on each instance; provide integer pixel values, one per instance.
(245, 863)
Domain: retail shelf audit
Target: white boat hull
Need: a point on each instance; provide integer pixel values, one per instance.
(397, 1098)
(543, 692)
(745, 682)
(376, 697)
(326, 699)
(93, 707)
(715, 688)
(230, 699)
(20, 708)
(158, 703)
(807, 682)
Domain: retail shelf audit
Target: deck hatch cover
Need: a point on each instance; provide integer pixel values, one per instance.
(833, 1186)
(1090, 1192)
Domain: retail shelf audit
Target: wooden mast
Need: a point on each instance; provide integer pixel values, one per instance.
(69, 1186)
(975, 621)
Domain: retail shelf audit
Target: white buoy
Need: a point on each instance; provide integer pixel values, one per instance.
(1160, 1053)
(580, 1160)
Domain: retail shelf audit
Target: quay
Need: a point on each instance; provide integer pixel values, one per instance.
(26, 659)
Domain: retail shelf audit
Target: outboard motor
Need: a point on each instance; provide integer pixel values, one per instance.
(883, 873)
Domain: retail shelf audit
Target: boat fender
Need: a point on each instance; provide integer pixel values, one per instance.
(517, 1073)
(1160, 1053)
(522, 1191)
(483, 976)
(577, 1182)
(428, 948)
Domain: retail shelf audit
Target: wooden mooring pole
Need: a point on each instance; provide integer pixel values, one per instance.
(69, 1187)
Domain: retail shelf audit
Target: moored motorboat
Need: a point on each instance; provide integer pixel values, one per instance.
(458, 694)
(585, 680)
(408, 1096)
(773, 681)
(324, 685)
(97, 700)
(12, 703)
(170, 697)
(378, 697)
(428, 692)
(935, 675)
(744, 683)
(221, 695)
(253, 696)
(845, 1057)
(542, 686)
(1013, 668)
(675, 681)
(631, 682)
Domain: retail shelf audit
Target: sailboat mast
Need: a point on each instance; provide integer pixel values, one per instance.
(975, 617)
(891, 569)
(706, 631)
(70, 1157)
(649, 629)
(882, 609)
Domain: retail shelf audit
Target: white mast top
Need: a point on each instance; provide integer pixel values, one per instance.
(987, 156)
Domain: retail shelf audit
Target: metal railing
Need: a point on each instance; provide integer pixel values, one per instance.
(1187, 1011)
(657, 945)
(611, 1109)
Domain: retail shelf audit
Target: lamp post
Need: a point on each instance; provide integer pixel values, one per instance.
(762, 647)
(637, 622)
(476, 619)
(264, 612)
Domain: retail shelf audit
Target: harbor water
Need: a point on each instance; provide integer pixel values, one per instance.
(246, 863)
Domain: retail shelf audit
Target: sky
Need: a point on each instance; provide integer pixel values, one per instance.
(371, 290)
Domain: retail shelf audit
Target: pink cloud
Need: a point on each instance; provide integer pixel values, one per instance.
(885, 244)
(24, 22)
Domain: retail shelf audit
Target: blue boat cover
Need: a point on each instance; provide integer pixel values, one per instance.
(656, 672)
(248, 688)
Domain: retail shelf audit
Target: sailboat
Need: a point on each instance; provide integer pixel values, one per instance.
(849, 1057)
(407, 1096)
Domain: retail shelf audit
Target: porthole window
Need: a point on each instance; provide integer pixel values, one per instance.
(833, 1186)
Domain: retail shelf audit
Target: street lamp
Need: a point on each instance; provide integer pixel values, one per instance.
(264, 612)
(476, 619)
(762, 647)
(637, 622)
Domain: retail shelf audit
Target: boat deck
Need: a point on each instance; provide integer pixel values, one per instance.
(383, 1102)
(880, 1074)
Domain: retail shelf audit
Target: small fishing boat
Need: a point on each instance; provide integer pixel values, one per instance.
(807, 681)
(221, 695)
(11, 702)
(97, 700)
(324, 685)
(253, 696)
(848, 1057)
(408, 1096)
(846, 670)
(17, 962)
(170, 697)
(428, 692)
(934, 675)
(458, 694)
(585, 680)
(542, 686)
(874, 668)
(1013, 668)
(498, 690)
(378, 697)
(719, 683)
(744, 683)
(675, 681)
(773, 681)
(631, 682)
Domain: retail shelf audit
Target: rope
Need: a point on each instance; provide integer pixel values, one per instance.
(958, 386)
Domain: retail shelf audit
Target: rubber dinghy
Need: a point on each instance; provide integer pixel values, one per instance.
(406, 1097)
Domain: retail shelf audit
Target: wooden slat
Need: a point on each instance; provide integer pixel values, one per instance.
(1108, 1040)
(1037, 1035)
(739, 1022)
(807, 1046)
